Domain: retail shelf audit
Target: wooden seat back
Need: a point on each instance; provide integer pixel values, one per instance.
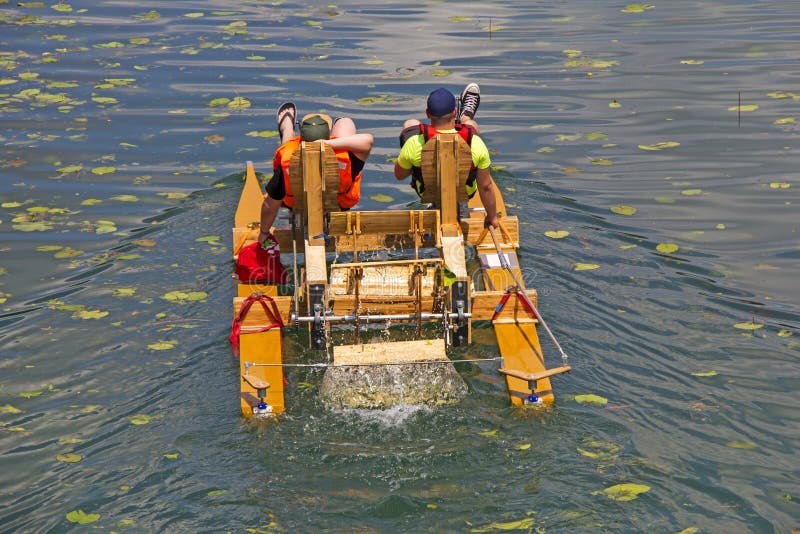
(314, 169)
(446, 162)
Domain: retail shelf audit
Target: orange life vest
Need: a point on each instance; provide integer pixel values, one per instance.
(349, 185)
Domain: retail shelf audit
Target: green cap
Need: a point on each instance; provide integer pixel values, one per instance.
(315, 126)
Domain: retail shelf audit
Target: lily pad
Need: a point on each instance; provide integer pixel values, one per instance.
(141, 419)
(624, 210)
(705, 373)
(380, 197)
(556, 234)
(591, 398)
(745, 445)
(90, 314)
(523, 524)
(660, 146)
(69, 458)
(625, 492)
(585, 266)
(667, 248)
(162, 345)
(748, 326)
(103, 170)
(81, 517)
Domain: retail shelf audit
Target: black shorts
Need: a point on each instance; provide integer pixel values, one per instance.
(276, 187)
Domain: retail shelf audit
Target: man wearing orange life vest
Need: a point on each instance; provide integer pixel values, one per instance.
(351, 148)
(446, 117)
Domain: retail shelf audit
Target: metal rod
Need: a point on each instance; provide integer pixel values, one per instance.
(379, 317)
(373, 364)
(521, 291)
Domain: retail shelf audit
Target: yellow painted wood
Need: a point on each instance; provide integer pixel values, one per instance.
(249, 207)
(384, 222)
(245, 290)
(519, 346)
(485, 302)
(261, 347)
(473, 230)
(255, 315)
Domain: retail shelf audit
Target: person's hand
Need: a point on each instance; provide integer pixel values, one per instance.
(491, 221)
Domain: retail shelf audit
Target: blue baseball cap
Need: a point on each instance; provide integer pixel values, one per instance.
(441, 102)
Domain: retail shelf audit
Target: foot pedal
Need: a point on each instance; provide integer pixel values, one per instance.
(533, 378)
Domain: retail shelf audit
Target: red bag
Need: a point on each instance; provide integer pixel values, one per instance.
(258, 265)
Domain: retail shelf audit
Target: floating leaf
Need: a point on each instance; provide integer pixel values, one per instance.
(705, 373)
(748, 326)
(219, 102)
(81, 517)
(7, 408)
(556, 234)
(720, 226)
(90, 314)
(91, 202)
(623, 210)
(104, 100)
(660, 146)
(103, 170)
(239, 103)
(746, 445)
(214, 493)
(183, 296)
(624, 492)
(162, 345)
(585, 266)
(523, 447)
(440, 73)
(67, 253)
(626, 247)
(69, 458)
(599, 450)
(637, 8)
(784, 333)
(522, 524)
(141, 419)
(172, 455)
(591, 398)
(692, 62)
(30, 394)
(263, 133)
(70, 168)
(614, 104)
(691, 192)
(785, 120)
(489, 433)
(780, 185)
(125, 198)
(210, 239)
(571, 53)
(69, 440)
(593, 136)
(745, 108)
(667, 248)
(380, 197)
(32, 226)
(602, 161)
(124, 292)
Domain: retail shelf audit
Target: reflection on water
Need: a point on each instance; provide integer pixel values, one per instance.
(123, 140)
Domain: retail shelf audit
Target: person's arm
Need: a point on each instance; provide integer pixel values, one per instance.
(486, 192)
(359, 144)
(399, 172)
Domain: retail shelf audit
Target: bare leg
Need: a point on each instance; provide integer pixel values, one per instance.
(470, 122)
(286, 126)
(269, 210)
(343, 127)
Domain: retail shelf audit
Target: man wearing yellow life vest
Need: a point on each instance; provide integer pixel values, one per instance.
(447, 116)
(351, 148)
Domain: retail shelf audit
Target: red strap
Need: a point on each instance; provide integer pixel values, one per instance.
(503, 301)
(500, 305)
(272, 314)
